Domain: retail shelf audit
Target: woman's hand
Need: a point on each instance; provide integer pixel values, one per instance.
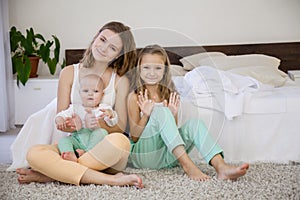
(73, 123)
(91, 121)
(174, 102)
(146, 105)
(107, 113)
(60, 123)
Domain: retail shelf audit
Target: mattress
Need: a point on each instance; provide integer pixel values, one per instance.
(266, 130)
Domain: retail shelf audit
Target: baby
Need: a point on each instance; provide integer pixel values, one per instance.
(91, 93)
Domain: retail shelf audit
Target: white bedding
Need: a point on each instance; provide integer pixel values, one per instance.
(209, 87)
(265, 128)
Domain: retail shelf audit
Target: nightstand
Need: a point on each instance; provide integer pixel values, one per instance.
(34, 96)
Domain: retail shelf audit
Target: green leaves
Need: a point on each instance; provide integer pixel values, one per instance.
(52, 62)
(22, 68)
(52, 65)
(57, 47)
(15, 38)
(32, 45)
(44, 51)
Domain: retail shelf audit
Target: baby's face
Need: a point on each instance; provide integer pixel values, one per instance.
(91, 93)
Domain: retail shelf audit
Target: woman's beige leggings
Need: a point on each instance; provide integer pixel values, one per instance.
(111, 152)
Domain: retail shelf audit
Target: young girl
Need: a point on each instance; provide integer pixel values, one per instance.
(156, 141)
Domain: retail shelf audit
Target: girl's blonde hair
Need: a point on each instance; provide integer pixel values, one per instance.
(127, 58)
(166, 85)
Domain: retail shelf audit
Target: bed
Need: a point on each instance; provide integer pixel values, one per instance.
(242, 93)
(254, 114)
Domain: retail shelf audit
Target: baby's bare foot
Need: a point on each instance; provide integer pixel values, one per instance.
(130, 179)
(80, 152)
(69, 156)
(232, 172)
(29, 175)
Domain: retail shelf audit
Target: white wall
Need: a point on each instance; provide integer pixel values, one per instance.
(167, 22)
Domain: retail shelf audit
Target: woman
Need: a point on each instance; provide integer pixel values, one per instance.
(110, 55)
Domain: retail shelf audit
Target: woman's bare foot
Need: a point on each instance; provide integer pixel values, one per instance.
(80, 152)
(29, 175)
(69, 156)
(128, 179)
(226, 171)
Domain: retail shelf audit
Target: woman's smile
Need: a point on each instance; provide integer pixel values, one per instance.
(100, 52)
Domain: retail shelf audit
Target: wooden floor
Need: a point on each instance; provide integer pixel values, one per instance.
(6, 139)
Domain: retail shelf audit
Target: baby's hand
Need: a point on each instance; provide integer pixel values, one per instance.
(74, 123)
(91, 121)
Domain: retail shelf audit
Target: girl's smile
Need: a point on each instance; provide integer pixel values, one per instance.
(152, 68)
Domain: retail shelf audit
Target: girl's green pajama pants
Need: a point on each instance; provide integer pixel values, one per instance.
(161, 135)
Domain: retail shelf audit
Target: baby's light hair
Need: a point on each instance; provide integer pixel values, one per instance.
(93, 77)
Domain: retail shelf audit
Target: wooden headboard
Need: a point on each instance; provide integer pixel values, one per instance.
(288, 53)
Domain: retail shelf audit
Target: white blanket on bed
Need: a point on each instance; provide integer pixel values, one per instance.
(209, 87)
(38, 129)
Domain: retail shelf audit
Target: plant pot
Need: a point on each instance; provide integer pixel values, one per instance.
(34, 61)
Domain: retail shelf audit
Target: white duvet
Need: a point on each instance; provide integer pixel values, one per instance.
(208, 87)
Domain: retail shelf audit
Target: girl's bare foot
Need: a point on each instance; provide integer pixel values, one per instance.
(130, 179)
(29, 175)
(69, 156)
(188, 165)
(196, 174)
(80, 152)
(232, 172)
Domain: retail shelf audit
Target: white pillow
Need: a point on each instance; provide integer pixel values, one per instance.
(247, 60)
(192, 61)
(177, 70)
(264, 74)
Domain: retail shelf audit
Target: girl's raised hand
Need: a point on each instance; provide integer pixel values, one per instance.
(174, 102)
(146, 105)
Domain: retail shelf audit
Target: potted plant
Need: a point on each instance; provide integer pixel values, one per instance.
(26, 52)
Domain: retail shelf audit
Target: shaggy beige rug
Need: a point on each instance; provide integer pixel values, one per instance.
(263, 181)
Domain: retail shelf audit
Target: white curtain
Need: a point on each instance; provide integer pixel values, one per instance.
(6, 78)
